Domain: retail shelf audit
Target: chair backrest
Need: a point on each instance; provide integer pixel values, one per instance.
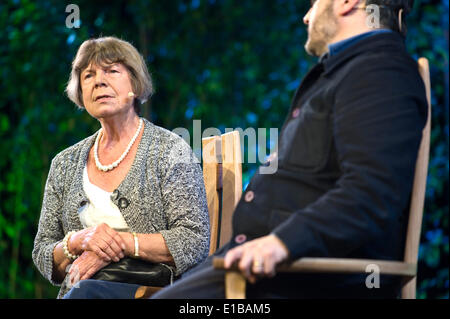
(419, 187)
(222, 174)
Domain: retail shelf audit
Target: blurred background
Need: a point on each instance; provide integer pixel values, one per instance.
(229, 63)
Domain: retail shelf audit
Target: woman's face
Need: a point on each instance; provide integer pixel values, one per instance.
(105, 90)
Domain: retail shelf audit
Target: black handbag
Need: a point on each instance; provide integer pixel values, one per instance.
(137, 271)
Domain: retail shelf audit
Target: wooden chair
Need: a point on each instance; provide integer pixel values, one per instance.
(222, 174)
(235, 283)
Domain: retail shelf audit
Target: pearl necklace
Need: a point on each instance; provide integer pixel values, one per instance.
(109, 167)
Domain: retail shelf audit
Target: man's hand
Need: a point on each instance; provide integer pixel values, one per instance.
(258, 257)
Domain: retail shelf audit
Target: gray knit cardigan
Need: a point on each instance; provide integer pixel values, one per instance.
(163, 192)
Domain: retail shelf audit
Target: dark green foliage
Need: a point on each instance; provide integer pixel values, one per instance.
(229, 63)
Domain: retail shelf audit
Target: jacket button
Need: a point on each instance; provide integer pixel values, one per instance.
(249, 196)
(123, 202)
(115, 194)
(239, 239)
(296, 113)
(82, 203)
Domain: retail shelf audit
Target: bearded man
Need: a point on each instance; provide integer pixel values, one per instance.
(346, 159)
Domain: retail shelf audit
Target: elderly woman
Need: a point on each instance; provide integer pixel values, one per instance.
(131, 189)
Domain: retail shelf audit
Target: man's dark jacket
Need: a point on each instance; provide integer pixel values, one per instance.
(346, 158)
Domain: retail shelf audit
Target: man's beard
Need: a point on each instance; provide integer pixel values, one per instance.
(321, 31)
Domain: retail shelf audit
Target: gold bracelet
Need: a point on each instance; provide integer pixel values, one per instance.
(136, 245)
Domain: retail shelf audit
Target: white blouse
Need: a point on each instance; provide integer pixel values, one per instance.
(100, 208)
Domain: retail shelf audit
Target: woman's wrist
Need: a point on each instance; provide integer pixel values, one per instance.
(74, 243)
(129, 243)
(68, 252)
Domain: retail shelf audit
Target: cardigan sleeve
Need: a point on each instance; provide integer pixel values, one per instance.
(50, 231)
(185, 205)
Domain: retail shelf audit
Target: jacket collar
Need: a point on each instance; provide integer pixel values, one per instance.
(391, 41)
(339, 46)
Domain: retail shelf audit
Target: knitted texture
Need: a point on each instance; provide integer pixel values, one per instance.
(163, 192)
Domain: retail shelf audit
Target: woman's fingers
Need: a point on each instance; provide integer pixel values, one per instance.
(85, 267)
(111, 238)
(90, 272)
(110, 247)
(116, 241)
(105, 242)
(74, 274)
(100, 252)
(118, 245)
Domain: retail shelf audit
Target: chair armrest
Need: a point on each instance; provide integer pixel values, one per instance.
(338, 265)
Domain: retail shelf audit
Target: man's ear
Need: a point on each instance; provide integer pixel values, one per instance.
(344, 7)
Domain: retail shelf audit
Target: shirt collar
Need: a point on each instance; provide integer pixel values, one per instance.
(337, 47)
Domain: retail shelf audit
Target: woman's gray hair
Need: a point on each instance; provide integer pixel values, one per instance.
(108, 50)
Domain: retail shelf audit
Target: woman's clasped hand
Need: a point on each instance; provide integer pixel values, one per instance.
(104, 241)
